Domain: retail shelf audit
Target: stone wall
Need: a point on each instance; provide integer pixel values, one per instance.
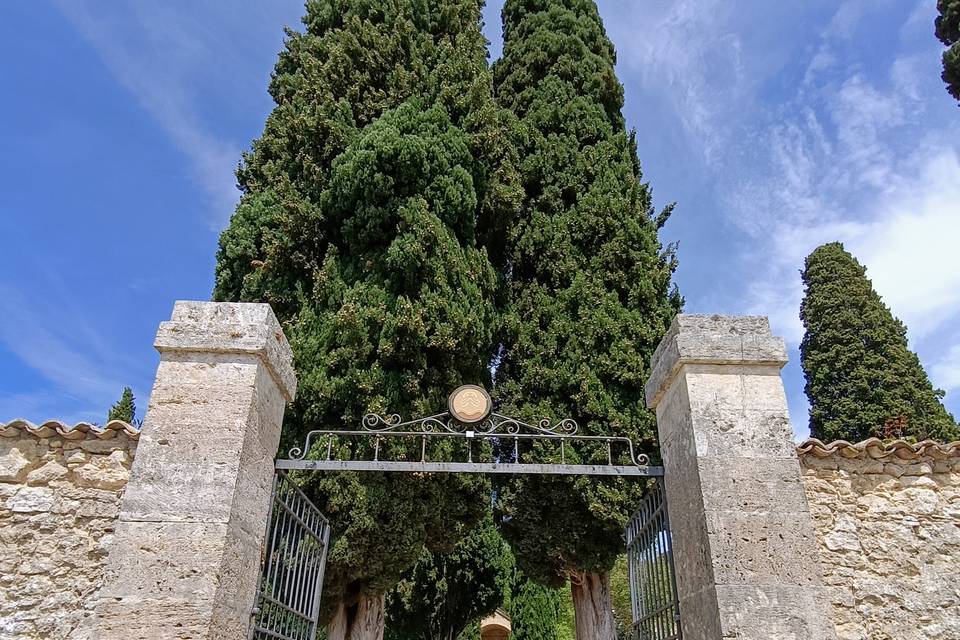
(888, 527)
(60, 491)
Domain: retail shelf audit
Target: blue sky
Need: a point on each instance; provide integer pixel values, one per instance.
(775, 127)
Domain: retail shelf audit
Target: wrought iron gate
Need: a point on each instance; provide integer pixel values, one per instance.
(294, 557)
(288, 596)
(653, 587)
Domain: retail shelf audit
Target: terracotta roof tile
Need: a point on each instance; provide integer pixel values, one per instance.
(79, 431)
(875, 448)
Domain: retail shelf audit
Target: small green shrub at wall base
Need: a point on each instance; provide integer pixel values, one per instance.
(862, 380)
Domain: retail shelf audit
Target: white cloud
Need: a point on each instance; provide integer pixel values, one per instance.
(153, 50)
(906, 239)
(855, 150)
(81, 370)
(685, 49)
(945, 372)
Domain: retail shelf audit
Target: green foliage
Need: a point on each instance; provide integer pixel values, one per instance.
(862, 379)
(535, 610)
(948, 32)
(364, 221)
(124, 409)
(590, 293)
(356, 60)
(620, 594)
(472, 632)
(443, 594)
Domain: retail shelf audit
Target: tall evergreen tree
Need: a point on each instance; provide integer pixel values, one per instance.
(124, 409)
(948, 32)
(862, 379)
(444, 593)
(590, 295)
(362, 203)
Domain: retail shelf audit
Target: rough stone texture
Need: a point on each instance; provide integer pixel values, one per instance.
(743, 538)
(230, 328)
(694, 339)
(59, 498)
(186, 554)
(888, 529)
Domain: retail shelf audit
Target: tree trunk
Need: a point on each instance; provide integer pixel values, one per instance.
(593, 607)
(361, 621)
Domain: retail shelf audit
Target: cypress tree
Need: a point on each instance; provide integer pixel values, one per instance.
(590, 296)
(947, 28)
(361, 220)
(862, 380)
(445, 592)
(123, 409)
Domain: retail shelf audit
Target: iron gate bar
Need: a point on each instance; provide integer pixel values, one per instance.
(472, 467)
(291, 577)
(654, 604)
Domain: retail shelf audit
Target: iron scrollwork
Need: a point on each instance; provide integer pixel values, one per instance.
(496, 427)
(470, 416)
(493, 424)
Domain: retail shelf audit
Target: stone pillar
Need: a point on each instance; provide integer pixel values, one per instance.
(743, 537)
(186, 552)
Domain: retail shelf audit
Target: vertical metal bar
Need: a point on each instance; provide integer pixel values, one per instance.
(306, 561)
(263, 561)
(654, 563)
(651, 575)
(632, 567)
(315, 609)
(272, 570)
(299, 560)
(290, 530)
(673, 571)
(663, 590)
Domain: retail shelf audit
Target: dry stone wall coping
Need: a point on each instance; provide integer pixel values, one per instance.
(80, 431)
(876, 449)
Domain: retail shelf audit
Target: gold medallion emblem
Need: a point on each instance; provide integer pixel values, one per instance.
(470, 403)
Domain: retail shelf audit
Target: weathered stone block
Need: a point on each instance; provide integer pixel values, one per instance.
(748, 485)
(31, 500)
(743, 537)
(694, 339)
(15, 464)
(781, 612)
(52, 470)
(186, 552)
(230, 328)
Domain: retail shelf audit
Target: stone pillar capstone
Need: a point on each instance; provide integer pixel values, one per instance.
(744, 544)
(185, 556)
